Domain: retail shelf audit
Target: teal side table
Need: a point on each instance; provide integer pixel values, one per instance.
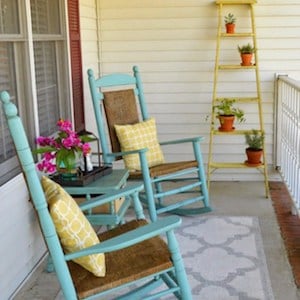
(114, 181)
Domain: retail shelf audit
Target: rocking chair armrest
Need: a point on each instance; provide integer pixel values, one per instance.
(130, 238)
(111, 196)
(115, 154)
(181, 141)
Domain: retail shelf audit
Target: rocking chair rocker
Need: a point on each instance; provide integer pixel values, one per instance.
(117, 94)
(134, 252)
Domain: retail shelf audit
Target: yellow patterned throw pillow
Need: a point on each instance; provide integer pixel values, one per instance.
(138, 136)
(74, 230)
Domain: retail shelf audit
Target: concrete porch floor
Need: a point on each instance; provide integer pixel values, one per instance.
(227, 198)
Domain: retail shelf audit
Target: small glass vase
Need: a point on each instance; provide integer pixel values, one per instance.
(67, 173)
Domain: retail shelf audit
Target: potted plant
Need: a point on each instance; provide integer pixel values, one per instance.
(230, 20)
(227, 113)
(246, 52)
(255, 142)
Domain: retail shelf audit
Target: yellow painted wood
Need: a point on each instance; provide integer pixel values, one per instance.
(235, 67)
(233, 165)
(237, 35)
(212, 166)
(235, 132)
(240, 99)
(236, 2)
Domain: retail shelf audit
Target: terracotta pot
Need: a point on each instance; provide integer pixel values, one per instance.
(226, 123)
(253, 157)
(230, 28)
(246, 59)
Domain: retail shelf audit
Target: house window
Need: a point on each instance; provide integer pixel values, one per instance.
(33, 69)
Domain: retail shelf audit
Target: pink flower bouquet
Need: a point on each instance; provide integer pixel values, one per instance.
(63, 150)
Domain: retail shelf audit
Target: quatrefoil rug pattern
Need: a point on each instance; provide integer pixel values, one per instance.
(224, 258)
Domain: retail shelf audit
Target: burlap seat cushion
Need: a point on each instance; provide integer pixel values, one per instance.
(125, 265)
(166, 168)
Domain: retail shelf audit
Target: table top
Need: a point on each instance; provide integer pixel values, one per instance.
(104, 184)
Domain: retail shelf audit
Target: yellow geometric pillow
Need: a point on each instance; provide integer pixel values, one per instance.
(138, 136)
(74, 230)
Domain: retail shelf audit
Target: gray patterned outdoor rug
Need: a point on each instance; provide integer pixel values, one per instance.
(224, 258)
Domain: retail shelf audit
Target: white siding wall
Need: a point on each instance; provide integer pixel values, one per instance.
(22, 245)
(173, 42)
(90, 31)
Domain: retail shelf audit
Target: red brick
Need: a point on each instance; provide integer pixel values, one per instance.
(289, 226)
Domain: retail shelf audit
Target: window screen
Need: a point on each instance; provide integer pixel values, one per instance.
(47, 87)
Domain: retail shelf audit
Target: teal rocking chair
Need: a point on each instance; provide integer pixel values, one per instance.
(118, 99)
(137, 259)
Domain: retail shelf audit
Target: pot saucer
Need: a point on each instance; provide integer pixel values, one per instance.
(252, 165)
(222, 130)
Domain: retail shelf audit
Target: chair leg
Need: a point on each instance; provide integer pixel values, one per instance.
(171, 282)
(183, 283)
(138, 208)
(49, 266)
(158, 189)
(150, 201)
(201, 173)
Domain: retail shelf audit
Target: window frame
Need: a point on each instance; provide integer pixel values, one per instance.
(24, 68)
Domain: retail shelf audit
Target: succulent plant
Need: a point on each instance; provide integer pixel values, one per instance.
(230, 19)
(248, 48)
(255, 139)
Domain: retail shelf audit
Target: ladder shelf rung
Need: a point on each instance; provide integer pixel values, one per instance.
(234, 132)
(239, 99)
(234, 67)
(233, 2)
(238, 35)
(231, 165)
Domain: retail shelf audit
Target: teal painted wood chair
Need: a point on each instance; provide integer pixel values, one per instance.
(118, 99)
(135, 254)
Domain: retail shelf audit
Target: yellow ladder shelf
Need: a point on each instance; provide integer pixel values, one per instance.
(213, 165)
